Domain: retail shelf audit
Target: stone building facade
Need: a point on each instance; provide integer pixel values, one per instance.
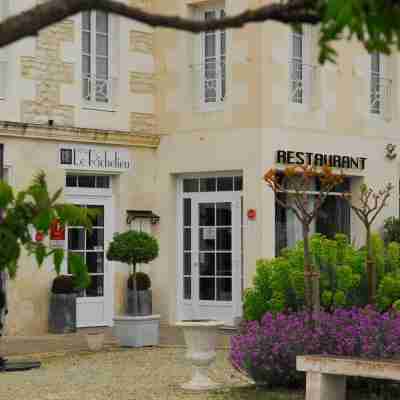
(198, 119)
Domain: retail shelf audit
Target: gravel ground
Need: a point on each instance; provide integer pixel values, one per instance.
(125, 374)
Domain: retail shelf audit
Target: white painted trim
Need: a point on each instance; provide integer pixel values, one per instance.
(109, 268)
(228, 196)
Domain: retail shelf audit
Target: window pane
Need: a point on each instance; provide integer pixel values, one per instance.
(72, 181)
(225, 184)
(102, 45)
(187, 263)
(207, 264)
(103, 182)
(190, 185)
(238, 183)
(187, 288)
(87, 181)
(208, 184)
(86, 42)
(224, 238)
(207, 214)
(86, 89)
(224, 214)
(224, 264)
(210, 45)
(96, 288)
(95, 239)
(95, 262)
(81, 255)
(101, 22)
(86, 20)
(207, 289)
(375, 62)
(224, 289)
(76, 239)
(187, 239)
(207, 239)
(101, 67)
(187, 212)
(86, 65)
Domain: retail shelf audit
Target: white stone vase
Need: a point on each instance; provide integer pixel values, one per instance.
(95, 340)
(200, 339)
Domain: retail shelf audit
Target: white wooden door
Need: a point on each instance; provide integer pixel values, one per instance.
(94, 304)
(212, 258)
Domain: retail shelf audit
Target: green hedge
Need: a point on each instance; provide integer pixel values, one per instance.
(278, 284)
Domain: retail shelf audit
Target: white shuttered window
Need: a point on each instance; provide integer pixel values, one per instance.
(214, 61)
(96, 82)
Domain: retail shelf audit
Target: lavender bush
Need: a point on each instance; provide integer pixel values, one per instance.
(267, 350)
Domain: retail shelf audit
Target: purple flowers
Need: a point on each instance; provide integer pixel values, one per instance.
(267, 351)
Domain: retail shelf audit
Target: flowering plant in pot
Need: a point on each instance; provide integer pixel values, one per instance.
(132, 248)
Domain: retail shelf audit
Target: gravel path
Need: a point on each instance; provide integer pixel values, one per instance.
(120, 374)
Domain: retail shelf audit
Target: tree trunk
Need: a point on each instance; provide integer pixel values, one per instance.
(135, 310)
(371, 269)
(308, 293)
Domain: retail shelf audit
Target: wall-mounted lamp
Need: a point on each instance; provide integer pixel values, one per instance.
(132, 215)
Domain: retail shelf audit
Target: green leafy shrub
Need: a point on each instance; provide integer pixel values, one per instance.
(143, 281)
(391, 230)
(278, 284)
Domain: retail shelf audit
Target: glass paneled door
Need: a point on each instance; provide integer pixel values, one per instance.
(93, 303)
(212, 257)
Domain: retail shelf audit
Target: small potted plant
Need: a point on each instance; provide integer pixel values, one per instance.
(62, 312)
(142, 298)
(136, 329)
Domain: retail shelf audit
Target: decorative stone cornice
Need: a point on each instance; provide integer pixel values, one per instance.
(73, 134)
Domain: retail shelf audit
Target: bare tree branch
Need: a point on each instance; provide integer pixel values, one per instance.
(30, 22)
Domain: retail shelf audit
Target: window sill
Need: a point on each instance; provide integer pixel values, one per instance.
(212, 107)
(94, 107)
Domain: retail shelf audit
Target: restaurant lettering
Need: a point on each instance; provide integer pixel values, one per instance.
(320, 159)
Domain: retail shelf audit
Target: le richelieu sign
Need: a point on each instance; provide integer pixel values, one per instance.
(94, 158)
(320, 159)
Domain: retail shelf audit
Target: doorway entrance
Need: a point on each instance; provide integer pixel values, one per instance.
(210, 268)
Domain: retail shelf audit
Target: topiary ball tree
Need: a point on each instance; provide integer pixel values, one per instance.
(132, 248)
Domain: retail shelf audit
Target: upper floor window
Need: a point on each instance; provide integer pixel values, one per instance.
(96, 62)
(301, 69)
(380, 85)
(213, 60)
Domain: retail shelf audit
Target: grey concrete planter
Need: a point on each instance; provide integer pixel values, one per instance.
(143, 305)
(137, 331)
(62, 313)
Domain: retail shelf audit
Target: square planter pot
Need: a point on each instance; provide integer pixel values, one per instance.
(137, 331)
(62, 313)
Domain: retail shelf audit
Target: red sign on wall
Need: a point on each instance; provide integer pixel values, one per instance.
(57, 234)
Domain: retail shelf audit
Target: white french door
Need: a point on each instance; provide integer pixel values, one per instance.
(94, 304)
(211, 262)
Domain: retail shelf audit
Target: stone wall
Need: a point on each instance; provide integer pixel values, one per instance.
(49, 72)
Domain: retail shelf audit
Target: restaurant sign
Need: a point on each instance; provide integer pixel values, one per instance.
(94, 158)
(320, 159)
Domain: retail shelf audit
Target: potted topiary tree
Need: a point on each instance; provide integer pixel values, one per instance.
(136, 329)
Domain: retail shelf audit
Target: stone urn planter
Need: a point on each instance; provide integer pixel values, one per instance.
(62, 309)
(95, 340)
(200, 339)
(138, 331)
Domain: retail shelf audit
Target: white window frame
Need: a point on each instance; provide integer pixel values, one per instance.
(220, 97)
(384, 85)
(307, 68)
(93, 103)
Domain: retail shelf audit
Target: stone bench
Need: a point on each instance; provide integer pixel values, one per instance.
(326, 375)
